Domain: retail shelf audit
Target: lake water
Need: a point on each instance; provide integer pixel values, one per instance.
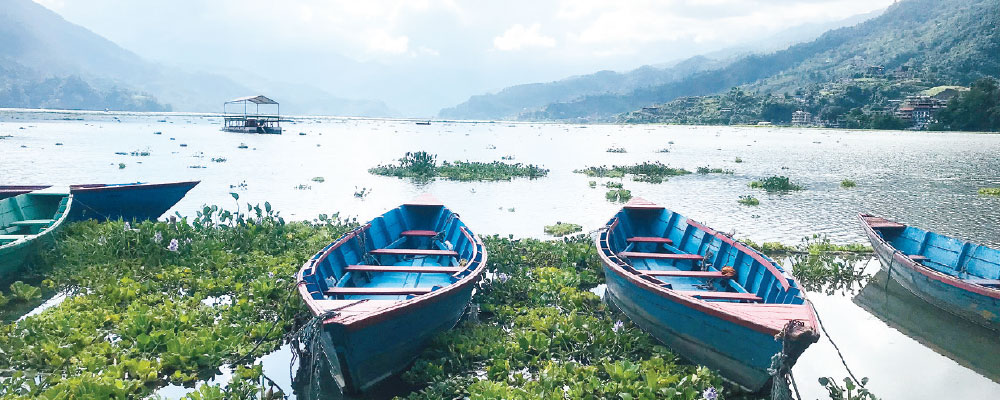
(926, 179)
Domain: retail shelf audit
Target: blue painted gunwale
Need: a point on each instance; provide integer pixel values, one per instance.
(945, 286)
(736, 339)
(375, 337)
(128, 201)
(15, 255)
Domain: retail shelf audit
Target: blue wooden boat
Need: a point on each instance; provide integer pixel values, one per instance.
(26, 221)
(960, 277)
(705, 295)
(128, 201)
(384, 289)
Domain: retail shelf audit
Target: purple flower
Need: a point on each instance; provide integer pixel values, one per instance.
(502, 277)
(128, 226)
(710, 394)
(157, 237)
(173, 245)
(618, 326)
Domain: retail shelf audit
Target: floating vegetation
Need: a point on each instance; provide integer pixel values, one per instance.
(738, 160)
(421, 165)
(319, 179)
(121, 165)
(21, 291)
(618, 195)
(654, 172)
(242, 186)
(303, 187)
(707, 170)
(561, 229)
(990, 191)
(616, 150)
(748, 200)
(507, 158)
(847, 183)
(850, 391)
(613, 185)
(775, 184)
(243, 146)
(663, 150)
(361, 193)
(831, 273)
(815, 244)
(136, 319)
(219, 160)
(197, 166)
(592, 184)
(140, 153)
(543, 334)
(157, 133)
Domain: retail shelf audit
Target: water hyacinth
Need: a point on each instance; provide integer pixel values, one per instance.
(173, 245)
(502, 277)
(128, 226)
(618, 326)
(158, 237)
(710, 394)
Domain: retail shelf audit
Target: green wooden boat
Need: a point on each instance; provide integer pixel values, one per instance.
(26, 221)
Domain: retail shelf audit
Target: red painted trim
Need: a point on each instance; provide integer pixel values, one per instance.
(647, 239)
(686, 274)
(377, 291)
(661, 256)
(931, 273)
(403, 268)
(720, 295)
(414, 252)
(418, 233)
(743, 248)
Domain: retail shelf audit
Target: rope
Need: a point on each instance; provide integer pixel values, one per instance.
(835, 347)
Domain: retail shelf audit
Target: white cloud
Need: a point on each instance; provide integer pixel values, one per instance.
(380, 41)
(519, 36)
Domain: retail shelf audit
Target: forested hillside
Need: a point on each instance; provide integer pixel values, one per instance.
(944, 41)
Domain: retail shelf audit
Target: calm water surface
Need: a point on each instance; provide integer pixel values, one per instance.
(921, 178)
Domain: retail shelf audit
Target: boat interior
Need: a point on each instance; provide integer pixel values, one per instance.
(29, 214)
(670, 251)
(409, 251)
(967, 261)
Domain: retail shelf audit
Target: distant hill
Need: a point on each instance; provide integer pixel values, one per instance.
(48, 62)
(515, 100)
(955, 41)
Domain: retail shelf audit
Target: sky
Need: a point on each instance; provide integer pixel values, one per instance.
(421, 55)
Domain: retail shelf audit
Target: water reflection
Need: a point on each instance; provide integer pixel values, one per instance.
(832, 273)
(968, 344)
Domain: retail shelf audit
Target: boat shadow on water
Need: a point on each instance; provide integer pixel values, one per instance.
(968, 344)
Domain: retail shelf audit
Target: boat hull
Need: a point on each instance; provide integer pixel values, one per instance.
(977, 308)
(387, 347)
(741, 354)
(17, 255)
(129, 202)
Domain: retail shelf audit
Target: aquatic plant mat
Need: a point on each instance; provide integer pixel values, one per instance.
(421, 165)
(157, 304)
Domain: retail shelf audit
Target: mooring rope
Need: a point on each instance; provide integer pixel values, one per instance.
(835, 347)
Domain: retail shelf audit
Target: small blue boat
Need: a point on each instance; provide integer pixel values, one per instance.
(386, 288)
(960, 277)
(128, 201)
(708, 297)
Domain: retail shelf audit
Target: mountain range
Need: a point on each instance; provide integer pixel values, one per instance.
(48, 62)
(955, 41)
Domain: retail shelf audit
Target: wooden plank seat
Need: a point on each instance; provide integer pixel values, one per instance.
(414, 252)
(917, 257)
(379, 291)
(983, 282)
(649, 239)
(687, 274)
(660, 256)
(418, 233)
(403, 268)
(706, 295)
(33, 222)
(13, 237)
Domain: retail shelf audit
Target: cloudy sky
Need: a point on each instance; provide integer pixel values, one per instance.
(421, 55)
